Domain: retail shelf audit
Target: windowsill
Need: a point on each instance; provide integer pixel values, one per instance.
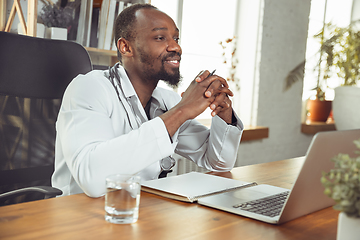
(254, 133)
(250, 132)
(315, 127)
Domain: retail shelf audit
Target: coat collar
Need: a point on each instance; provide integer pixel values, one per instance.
(130, 92)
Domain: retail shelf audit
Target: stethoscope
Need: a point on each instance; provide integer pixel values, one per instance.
(114, 76)
(166, 163)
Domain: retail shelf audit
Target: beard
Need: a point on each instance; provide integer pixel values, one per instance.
(171, 79)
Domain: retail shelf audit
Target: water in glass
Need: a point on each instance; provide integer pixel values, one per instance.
(122, 202)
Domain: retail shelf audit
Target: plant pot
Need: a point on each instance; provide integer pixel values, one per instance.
(40, 30)
(318, 111)
(56, 33)
(348, 227)
(346, 108)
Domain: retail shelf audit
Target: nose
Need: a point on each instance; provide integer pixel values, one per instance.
(173, 46)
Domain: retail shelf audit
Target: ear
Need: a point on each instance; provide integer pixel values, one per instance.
(124, 47)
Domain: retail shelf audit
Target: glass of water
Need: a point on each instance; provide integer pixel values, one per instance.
(122, 198)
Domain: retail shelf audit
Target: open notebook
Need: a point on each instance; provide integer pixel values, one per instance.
(306, 195)
(190, 187)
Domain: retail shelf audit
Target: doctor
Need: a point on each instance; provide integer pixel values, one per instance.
(119, 121)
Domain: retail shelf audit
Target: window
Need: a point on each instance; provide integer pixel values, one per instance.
(203, 25)
(322, 12)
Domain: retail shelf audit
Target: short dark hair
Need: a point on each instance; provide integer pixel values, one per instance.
(124, 24)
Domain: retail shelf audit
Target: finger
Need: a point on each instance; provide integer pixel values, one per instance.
(209, 80)
(216, 111)
(221, 107)
(218, 101)
(226, 91)
(213, 89)
(216, 88)
(202, 75)
(226, 103)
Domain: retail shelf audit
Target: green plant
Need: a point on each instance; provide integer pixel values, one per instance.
(342, 183)
(339, 55)
(52, 15)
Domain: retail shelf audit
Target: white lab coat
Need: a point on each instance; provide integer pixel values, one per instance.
(99, 135)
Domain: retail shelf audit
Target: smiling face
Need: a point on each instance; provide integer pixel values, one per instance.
(156, 52)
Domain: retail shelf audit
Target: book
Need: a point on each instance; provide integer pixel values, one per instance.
(104, 10)
(110, 25)
(84, 26)
(94, 28)
(190, 187)
(119, 8)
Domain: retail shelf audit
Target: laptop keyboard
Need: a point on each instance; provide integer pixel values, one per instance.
(269, 206)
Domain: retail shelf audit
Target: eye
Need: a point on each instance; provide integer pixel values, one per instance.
(176, 39)
(160, 38)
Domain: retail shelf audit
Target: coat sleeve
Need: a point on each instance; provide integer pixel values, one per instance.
(214, 149)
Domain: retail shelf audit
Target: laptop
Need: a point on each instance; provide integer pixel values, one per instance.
(307, 194)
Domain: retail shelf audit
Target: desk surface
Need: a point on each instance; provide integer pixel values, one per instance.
(81, 217)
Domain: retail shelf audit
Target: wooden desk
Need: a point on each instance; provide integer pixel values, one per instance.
(81, 217)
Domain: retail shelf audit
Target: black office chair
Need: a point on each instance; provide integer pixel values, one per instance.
(34, 74)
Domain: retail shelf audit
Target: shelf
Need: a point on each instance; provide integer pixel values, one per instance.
(315, 127)
(250, 132)
(102, 56)
(101, 52)
(254, 133)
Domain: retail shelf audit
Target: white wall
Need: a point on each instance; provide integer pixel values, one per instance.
(280, 47)
(355, 15)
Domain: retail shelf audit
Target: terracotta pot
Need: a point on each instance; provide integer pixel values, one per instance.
(318, 111)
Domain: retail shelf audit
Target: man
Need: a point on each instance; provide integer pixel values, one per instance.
(118, 121)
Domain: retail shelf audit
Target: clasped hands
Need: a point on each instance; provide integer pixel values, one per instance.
(209, 91)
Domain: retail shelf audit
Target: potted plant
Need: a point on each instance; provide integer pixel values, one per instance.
(342, 183)
(57, 19)
(338, 57)
(318, 109)
(343, 61)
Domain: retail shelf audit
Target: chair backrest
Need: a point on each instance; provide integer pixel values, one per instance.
(34, 74)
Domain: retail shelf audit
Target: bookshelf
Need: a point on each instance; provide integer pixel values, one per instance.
(100, 44)
(96, 21)
(29, 27)
(98, 55)
(105, 53)
(102, 56)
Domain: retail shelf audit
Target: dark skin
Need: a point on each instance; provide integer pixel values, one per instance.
(157, 36)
